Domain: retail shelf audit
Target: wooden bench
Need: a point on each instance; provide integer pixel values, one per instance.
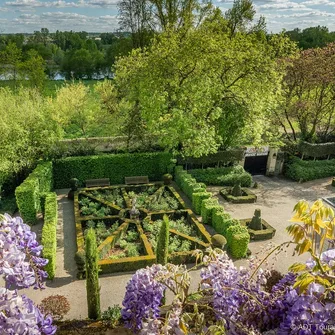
(136, 180)
(97, 182)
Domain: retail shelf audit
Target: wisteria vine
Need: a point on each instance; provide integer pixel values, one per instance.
(237, 300)
(21, 266)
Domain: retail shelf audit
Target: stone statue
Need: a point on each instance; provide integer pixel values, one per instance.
(256, 221)
(134, 212)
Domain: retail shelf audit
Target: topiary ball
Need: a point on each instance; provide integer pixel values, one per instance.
(218, 241)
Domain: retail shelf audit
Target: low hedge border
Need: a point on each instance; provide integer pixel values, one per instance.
(258, 235)
(248, 197)
(29, 193)
(49, 233)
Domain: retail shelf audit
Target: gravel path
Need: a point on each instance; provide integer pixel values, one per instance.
(276, 198)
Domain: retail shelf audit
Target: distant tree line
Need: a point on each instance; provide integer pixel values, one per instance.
(75, 54)
(312, 37)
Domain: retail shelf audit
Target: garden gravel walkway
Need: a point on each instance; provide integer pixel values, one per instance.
(276, 198)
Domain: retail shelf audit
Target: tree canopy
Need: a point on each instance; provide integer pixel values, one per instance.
(198, 89)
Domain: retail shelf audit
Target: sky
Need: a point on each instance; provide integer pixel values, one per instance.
(26, 16)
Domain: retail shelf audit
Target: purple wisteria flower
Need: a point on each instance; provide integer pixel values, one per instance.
(21, 263)
(21, 266)
(143, 296)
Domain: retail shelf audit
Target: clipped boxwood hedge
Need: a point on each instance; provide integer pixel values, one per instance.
(49, 236)
(28, 194)
(207, 207)
(237, 241)
(227, 156)
(198, 198)
(317, 149)
(187, 183)
(115, 167)
(228, 176)
(300, 170)
(247, 196)
(222, 221)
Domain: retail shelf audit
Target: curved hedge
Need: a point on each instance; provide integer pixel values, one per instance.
(228, 176)
(114, 167)
(49, 235)
(28, 194)
(300, 170)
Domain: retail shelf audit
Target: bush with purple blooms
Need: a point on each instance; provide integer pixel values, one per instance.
(229, 298)
(21, 266)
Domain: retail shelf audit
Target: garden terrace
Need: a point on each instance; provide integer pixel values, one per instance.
(127, 244)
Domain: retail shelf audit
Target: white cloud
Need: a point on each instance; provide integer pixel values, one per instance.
(63, 21)
(61, 3)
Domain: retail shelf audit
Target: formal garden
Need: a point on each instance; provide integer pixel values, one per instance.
(164, 230)
(191, 193)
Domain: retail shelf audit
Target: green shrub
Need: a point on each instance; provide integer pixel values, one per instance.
(187, 183)
(237, 241)
(42, 200)
(28, 194)
(92, 279)
(218, 241)
(28, 200)
(227, 156)
(217, 214)
(114, 167)
(207, 207)
(197, 199)
(162, 250)
(300, 170)
(222, 221)
(228, 176)
(112, 316)
(317, 150)
(49, 236)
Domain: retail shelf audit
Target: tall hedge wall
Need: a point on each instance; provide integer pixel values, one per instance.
(300, 170)
(114, 167)
(49, 235)
(29, 193)
(317, 150)
(228, 156)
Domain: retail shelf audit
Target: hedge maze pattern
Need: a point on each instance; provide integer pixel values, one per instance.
(116, 213)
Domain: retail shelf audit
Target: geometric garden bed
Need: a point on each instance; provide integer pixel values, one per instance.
(127, 244)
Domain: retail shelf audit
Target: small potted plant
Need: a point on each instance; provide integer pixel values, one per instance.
(167, 178)
(74, 182)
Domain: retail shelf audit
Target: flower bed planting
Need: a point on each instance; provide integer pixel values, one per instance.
(126, 243)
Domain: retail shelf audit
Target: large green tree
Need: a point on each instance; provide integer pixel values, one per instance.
(308, 109)
(27, 129)
(197, 90)
(33, 70)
